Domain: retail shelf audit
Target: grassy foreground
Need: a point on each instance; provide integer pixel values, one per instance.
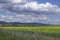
(30, 33)
(49, 30)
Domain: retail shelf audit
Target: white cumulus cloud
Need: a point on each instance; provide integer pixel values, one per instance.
(28, 10)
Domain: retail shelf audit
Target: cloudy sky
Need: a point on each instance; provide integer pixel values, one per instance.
(30, 11)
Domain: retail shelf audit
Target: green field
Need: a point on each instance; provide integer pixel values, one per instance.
(35, 29)
(18, 33)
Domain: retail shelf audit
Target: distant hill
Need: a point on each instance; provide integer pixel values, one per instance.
(2, 23)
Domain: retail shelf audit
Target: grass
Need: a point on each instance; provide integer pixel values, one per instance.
(35, 29)
(46, 31)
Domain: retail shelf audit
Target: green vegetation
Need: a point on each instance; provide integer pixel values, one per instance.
(35, 29)
(27, 33)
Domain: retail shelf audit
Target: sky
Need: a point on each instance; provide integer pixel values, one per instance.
(30, 11)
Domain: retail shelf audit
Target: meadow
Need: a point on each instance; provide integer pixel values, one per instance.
(30, 33)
